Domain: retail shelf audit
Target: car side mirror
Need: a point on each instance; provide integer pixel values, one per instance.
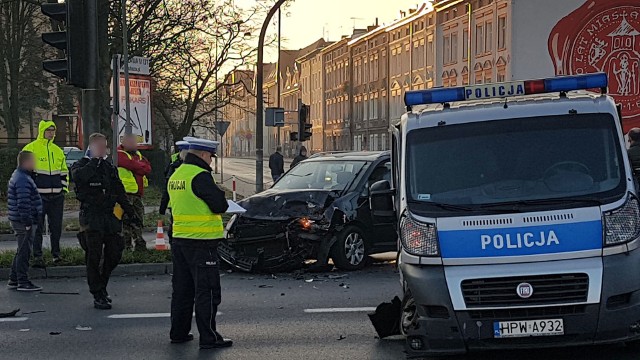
(381, 199)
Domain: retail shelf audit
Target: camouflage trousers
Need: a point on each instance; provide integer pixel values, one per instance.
(133, 233)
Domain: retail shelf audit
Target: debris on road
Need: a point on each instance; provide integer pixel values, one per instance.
(334, 277)
(342, 337)
(265, 286)
(59, 293)
(33, 312)
(308, 280)
(24, 330)
(9, 314)
(386, 319)
(83, 328)
(343, 285)
(55, 333)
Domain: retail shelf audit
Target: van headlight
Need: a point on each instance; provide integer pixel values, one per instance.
(622, 224)
(418, 238)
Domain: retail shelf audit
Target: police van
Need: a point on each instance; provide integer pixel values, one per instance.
(518, 218)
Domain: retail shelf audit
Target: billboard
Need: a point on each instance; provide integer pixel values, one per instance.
(141, 115)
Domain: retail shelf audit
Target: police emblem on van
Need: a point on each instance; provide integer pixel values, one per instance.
(524, 290)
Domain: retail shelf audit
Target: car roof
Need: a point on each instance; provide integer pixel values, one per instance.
(349, 155)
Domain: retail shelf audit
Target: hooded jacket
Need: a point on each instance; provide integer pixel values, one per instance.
(51, 174)
(299, 158)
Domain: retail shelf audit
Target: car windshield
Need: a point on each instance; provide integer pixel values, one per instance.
(320, 175)
(75, 155)
(521, 160)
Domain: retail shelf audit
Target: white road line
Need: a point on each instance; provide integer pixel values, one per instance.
(339, 310)
(13, 319)
(144, 316)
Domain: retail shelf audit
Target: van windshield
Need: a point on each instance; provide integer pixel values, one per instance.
(502, 161)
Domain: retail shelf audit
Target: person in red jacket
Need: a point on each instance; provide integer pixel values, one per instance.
(133, 169)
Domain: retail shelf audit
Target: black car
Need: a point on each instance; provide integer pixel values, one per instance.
(318, 209)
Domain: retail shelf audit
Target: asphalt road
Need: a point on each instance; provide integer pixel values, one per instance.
(268, 318)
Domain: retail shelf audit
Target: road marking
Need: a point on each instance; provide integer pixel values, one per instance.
(13, 319)
(144, 316)
(339, 310)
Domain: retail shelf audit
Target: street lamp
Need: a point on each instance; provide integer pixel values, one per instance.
(260, 98)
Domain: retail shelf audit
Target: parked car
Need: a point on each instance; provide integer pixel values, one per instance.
(72, 156)
(319, 207)
(67, 149)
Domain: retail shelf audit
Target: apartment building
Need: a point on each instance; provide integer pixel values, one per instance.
(238, 139)
(311, 80)
(337, 90)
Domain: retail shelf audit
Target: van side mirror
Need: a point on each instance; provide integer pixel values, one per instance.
(381, 199)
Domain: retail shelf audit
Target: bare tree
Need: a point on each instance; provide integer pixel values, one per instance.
(23, 87)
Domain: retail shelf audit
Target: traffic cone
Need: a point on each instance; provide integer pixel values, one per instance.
(160, 243)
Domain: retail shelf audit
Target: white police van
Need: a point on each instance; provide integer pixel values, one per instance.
(517, 216)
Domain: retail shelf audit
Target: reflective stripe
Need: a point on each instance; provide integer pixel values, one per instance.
(47, 172)
(64, 183)
(211, 217)
(205, 230)
(50, 191)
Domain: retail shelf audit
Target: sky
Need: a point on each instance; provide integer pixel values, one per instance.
(303, 21)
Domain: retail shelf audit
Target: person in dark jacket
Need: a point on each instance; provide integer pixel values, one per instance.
(196, 206)
(25, 210)
(300, 157)
(276, 164)
(634, 150)
(99, 189)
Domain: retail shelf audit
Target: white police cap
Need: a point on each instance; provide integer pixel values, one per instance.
(188, 138)
(182, 145)
(209, 146)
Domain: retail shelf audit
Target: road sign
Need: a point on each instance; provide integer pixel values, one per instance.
(141, 117)
(274, 116)
(221, 127)
(138, 65)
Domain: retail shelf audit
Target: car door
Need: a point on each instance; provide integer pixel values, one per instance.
(382, 230)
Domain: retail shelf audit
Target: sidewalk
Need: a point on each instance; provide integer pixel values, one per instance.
(68, 240)
(75, 214)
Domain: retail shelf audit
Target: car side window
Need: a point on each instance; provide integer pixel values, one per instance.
(381, 172)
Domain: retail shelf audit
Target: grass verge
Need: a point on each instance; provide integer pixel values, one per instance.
(75, 256)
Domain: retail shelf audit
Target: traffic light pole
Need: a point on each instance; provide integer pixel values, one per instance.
(260, 98)
(125, 60)
(90, 95)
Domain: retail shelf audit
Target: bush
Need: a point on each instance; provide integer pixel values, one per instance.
(159, 161)
(8, 158)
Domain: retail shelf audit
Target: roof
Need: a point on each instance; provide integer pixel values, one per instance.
(350, 155)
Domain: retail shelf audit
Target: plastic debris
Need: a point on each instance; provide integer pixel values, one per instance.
(33, 312)
(386, 319)
(24, 330)
(342, 337)
(55, 333)
(334, 277)
(308, 280)
(265, 286)
(9, 314)
(83, 328)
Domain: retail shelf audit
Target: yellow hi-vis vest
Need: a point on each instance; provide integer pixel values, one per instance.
(128, 178)
(192, 218)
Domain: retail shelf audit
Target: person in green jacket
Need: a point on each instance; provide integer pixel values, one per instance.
(52, 179)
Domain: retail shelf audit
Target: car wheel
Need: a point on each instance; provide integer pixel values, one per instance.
(409, 314)
(351, 250)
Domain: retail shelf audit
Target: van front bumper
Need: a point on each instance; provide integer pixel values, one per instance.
(615, 319)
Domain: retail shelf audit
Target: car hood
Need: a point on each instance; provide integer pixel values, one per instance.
(285, 204)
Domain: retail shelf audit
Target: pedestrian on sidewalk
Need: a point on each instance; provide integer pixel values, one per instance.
(196, 204)
(302, 155)
(25, 210)
(133, 170)
(52, 178)
(99, 189)
(276, 164)
(183, 146)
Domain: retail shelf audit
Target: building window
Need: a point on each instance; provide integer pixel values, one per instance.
(375, 142)
(479, 39)
(430, 52)
(446, 52)
(371, 143)
(502, 32)
(488, 29)
(465, 44)
(383, 141)
(479, 77)
(454, 47)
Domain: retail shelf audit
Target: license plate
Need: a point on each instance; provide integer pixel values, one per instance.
(525, 328)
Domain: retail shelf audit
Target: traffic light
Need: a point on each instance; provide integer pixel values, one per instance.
(293, 136)
(303, 122)
(71, 41)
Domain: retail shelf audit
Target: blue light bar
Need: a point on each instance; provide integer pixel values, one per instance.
(502, 90)
(576, 82)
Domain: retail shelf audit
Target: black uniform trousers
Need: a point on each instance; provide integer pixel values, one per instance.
(53, 207)
(196, 280)
(102, 255)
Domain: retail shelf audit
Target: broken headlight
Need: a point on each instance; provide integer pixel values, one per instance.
(419, 238)
(622, 224)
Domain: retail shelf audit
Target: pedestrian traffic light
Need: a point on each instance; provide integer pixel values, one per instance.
(303, 122)
(71, 41)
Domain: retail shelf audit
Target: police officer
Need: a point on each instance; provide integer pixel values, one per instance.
(196, 204)
(98, 188)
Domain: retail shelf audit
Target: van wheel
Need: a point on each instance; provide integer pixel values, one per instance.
(409, 314)
(351, 249)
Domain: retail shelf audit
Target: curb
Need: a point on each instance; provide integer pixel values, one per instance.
(56, 272)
